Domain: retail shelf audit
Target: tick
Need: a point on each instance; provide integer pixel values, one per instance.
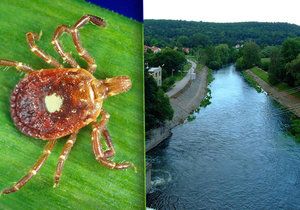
(52, 103)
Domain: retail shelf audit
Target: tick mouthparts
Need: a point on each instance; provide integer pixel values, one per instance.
(117, 85)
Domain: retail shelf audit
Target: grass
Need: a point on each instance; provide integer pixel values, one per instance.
(295, 127)
(199, 67)
(280, 86)
(192, 58)
(251, 81)
(169, 82)
(85, 184)
(261, 73)
(206, 101)
(179, 76)
(210, 76)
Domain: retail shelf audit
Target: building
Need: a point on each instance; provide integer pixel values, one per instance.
(154, 49)
(186, 50)
(156, 72)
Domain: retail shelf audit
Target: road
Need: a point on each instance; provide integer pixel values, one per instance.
(180, 85)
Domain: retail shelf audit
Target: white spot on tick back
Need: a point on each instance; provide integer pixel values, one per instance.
(53, 102)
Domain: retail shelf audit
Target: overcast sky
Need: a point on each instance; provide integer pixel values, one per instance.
(224, 10)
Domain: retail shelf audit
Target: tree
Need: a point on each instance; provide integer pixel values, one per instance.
(170, 60)
(199, 40)
(157, 104)
(217, 56)
(266, 51)
(183, 41)
(290, 49)
(222, 51)
(276, 67)
(239, 64)
(251, 56)
(293, 68)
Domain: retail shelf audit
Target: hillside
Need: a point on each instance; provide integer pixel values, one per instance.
(167, 32)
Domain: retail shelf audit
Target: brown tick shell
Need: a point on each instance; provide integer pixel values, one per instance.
(79, 107)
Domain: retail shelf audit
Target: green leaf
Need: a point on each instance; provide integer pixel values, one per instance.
(85, 184)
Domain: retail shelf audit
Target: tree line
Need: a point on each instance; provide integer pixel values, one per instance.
(171, 33)
(282, 62)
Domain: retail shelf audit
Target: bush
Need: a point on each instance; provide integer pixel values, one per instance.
(214, 65)
(168, 83)
(239, 63)
(157, 104)
(264, 64)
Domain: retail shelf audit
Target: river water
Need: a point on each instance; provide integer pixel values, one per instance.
(236, 154)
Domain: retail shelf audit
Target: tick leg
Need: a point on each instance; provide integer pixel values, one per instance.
(36, 167)
(19, 66)
(101, 156)
(110, 152)
(63, 156)
(31, 37)
(58, 47)
(75, 35)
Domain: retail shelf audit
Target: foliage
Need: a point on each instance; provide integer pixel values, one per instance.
(251, 81)
(206, 101)
(284, 63)
(157, 104)
(217, 33)
(276, 73)
(168, 83)
(216, 56)
(267, 51)
(210, 77)
(293, 68)
(295, 127)
(290, 49)
(85, 184)
(170, 60)
(250, 53)
(191, 117)
(264, 63)
(261, 73)
(239, 64)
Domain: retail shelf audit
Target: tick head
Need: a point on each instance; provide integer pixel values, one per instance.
(117, 85)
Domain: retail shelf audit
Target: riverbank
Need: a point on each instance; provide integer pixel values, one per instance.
(179, 86)
(190, 98)
(290, 102)
(185, 97)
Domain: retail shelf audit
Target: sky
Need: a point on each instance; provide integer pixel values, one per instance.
(224, 10)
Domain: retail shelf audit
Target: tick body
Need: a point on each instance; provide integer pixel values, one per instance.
(49, 104)
(52, 103)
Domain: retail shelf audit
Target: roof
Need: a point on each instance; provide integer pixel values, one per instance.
(154, 69)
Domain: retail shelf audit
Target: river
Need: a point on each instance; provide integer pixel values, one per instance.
(236, 154)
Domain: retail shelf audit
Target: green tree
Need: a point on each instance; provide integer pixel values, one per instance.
(276, 67)
(222, 51)
(199, 40)
(251, 56)
(157, 104)
(170, 60)
(239, 64)
(293, 68)
(217, 56)
(290, 49)
(183, 41)
(266, 51)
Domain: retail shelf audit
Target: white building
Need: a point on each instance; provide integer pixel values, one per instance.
(155, 72)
